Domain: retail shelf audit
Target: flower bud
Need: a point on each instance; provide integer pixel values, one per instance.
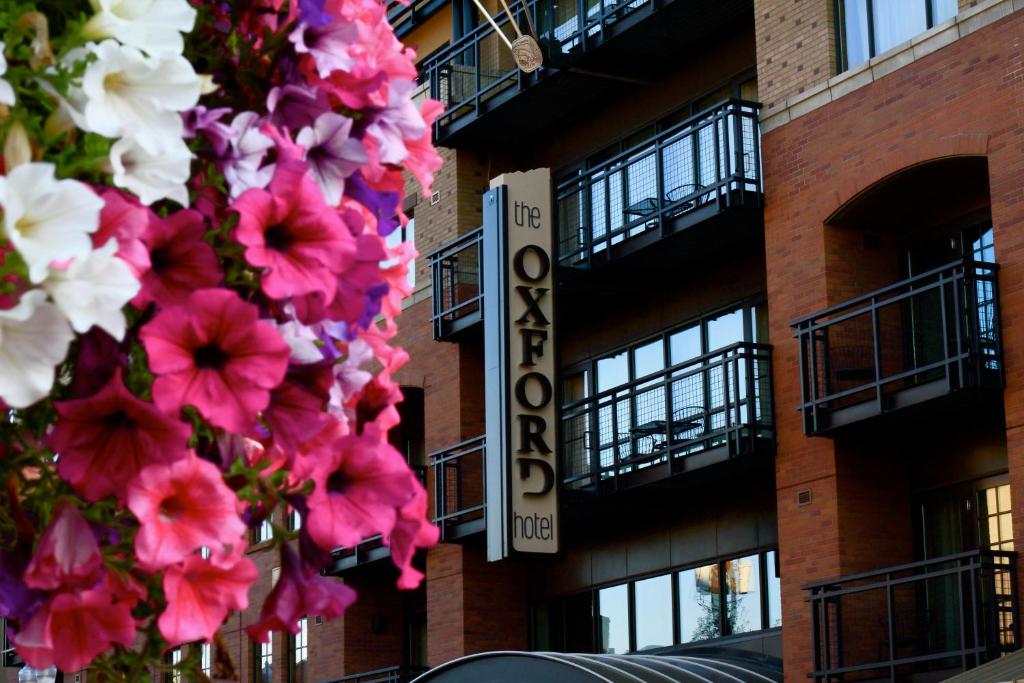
(17, 147)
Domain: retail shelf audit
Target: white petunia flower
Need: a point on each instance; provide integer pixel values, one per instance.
(302, 340)
(93, 290)
(34, 338)
(6, 91)
(152, 177)
(151, 25)
(129, 94)
(47, 219)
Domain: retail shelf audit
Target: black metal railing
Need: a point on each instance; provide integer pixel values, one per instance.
(477, 72)
(9, 656)
(925, 336)
(457, 278)
(405, 17)
(390, 674)
(459, 488)
(698, 167)
(469, 76)
(719, 400)
(952, 612)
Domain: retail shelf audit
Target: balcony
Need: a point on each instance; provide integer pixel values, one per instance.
(457, 278)
(405, 17)
(675, 182)
(691, 415)
(931, 336)
(591, 49)
(937, 617)
(459, 489)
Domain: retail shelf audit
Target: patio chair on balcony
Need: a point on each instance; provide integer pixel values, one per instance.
(691, 190)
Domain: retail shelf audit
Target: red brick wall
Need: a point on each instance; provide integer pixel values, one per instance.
(963, 99)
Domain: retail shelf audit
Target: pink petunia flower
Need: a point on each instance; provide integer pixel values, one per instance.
(200, 593)
(74, 627)
(182, 507)
(124, 219)
(67, 555)
(299, 592)
(106, 439)
(412, 531)
(290, 232)
(213, 353)
(360, 483)
(181, 262)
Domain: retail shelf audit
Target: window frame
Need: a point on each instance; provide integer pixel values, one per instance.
(588, 367)
(559, 602)
(839, 12)
(258, 656)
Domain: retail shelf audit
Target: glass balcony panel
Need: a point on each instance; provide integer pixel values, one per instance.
(459, 488)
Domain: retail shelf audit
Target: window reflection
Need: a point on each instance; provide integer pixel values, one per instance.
(717, 599)
(614, 619)
(743, 594)
(653, 605)
(699, 604)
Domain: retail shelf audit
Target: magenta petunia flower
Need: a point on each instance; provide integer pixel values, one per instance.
(104, 440)
(182, 507)
(124, 219)
(290, 232)
(200, 592)
(181, 262)
(299, 592)
(74, 627)
(360, 483)
(67, 555)
(412, 531)
(296, 413)
(213, 353)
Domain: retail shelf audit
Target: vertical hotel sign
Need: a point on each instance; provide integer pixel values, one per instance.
(519, 359)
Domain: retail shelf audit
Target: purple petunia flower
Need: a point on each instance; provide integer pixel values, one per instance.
(332, 155)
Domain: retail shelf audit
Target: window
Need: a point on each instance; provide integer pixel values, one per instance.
(263, 661)
(299, 646)
(614, 619)
(264, 532)
(403, 233)
(653, 599)
(294, 520)
(728, 597)
(206, 659)
(695, 402)
(869, 27)
(173, 661)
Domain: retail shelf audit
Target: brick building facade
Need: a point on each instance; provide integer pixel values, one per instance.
(727, 175)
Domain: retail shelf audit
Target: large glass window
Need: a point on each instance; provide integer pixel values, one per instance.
(728, 597)
(870, 27)
(264, 532)
(614, 619)
(699, 609)
(652, 599)
(743, 594)
(206, 659)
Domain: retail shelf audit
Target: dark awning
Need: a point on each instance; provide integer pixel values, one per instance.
(554, 667)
